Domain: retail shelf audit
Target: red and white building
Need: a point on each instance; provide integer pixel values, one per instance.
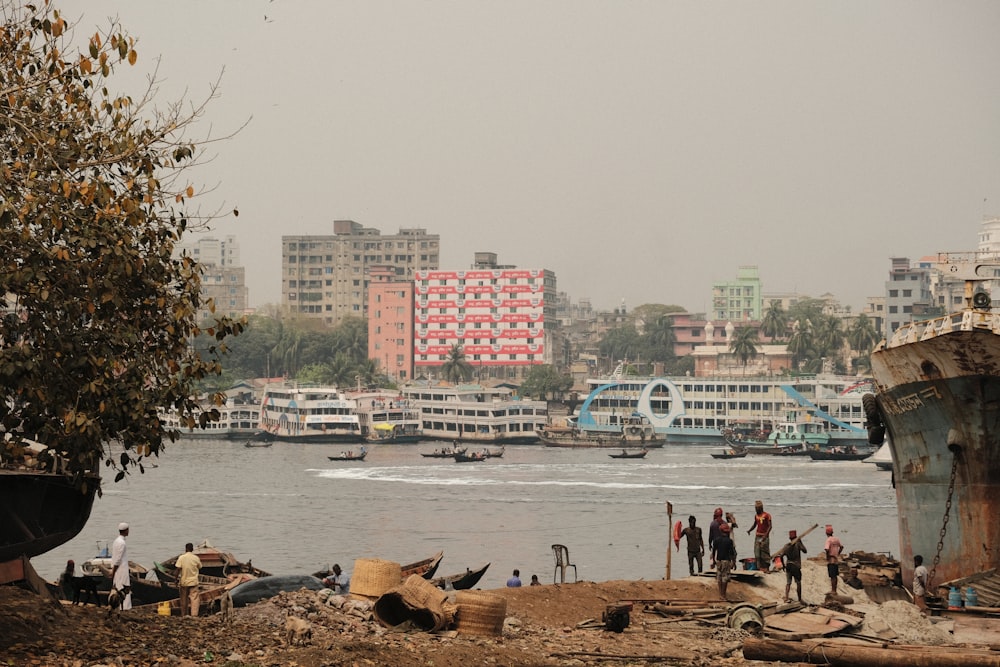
(499, 317)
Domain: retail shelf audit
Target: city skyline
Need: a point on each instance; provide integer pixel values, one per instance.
(641, 152)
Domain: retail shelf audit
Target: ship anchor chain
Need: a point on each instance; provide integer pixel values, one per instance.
(947, 515)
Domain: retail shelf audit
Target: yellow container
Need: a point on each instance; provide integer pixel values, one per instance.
(163, 609)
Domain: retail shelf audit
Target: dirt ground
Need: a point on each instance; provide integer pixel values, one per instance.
(542, 627)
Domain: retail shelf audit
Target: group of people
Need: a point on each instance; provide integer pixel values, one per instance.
(515, 580)
(722, 550)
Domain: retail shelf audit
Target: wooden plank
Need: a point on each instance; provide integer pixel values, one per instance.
(976, 630)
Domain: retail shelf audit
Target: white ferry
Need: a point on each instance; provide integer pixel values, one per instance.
(700, 409)
(306, 413)
(477, 414)
(237, 421)
(388, 418)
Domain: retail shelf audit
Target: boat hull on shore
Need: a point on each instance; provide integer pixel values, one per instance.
(41, 511)
(938, 395)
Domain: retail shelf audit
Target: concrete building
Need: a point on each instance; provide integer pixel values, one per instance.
(327, 277)
(907, 293)
(503, 318)
(223, 278)
(390, 324)
(739, 300)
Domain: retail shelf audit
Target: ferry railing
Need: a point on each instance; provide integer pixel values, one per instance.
(967, 320)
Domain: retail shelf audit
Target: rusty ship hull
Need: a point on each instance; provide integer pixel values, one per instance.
(938, 394)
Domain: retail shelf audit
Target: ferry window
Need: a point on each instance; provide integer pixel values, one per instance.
(699, 405)
(744, 405)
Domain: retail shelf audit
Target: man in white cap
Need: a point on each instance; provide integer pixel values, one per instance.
(119, 566)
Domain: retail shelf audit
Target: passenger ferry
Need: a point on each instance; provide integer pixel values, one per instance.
(477, 414)
(388, 418)
(699, 409)
(237, 421)
(312, 414)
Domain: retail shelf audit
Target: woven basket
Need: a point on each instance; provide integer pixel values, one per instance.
(480, 613)
(418, 601)
(372, 577)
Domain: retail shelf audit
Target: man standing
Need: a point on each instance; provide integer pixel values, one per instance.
(833, 549)
(791, 558)
(119, 566)
(515, 580)
(724, 556)
(762, 538)
(714, 532)
(920, 576)
(695, 545)
(188, 567)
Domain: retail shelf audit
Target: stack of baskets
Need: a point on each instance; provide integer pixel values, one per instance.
(480, 613)
(373, 577)
(417, 601)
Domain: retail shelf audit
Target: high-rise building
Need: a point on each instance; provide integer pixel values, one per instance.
(739, 300)
(223, 278)
(907, 293)
(503, 318)
(390, 324)
(327, 277)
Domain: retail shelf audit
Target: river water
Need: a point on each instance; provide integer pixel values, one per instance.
(291, 510)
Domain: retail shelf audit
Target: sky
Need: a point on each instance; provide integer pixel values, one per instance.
(640, 150)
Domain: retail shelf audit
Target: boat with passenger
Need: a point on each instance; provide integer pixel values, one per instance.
(293, 412)
(476, 414)
(694, 410)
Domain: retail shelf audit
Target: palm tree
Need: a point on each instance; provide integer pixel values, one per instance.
(456, 369)
(744, 345)
(775, 322)
(862, 335)
(801, 342)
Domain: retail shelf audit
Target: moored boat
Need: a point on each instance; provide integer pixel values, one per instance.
(881, 458)
(476, 414)
(635, 431)
(937, 403)
(461, 581)
(310, 414)
(840, 454)
(214, 562)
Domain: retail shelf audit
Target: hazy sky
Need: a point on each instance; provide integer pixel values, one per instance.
(641, 150)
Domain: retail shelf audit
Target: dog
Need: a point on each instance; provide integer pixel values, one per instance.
(297, 630)
(85, 585)
(225, 608)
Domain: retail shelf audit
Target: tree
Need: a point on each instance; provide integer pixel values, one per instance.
(99, 312)
(775, 322)
(862, 336)
(544, 379)
(620, 343)
(456, 369)
(744, 345)
(657, 343)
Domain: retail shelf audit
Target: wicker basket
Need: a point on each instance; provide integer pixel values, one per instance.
(372, 577)
(418, 601)
(480, 613)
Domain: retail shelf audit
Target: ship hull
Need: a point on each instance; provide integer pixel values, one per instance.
(940, 400)
(40, 511)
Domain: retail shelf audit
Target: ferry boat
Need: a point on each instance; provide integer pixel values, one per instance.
(474, 413)
(292, 412)
(388, 418)
(937, 404)
(635, 432)
(697, 410)
(237, 421)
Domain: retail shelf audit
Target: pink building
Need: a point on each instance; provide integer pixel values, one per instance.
(390, 324)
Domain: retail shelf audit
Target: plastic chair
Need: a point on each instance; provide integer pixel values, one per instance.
(562, 562)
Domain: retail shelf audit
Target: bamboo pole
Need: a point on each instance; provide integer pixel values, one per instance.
(670, 535)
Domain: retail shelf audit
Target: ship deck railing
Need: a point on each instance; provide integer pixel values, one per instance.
(966, 320)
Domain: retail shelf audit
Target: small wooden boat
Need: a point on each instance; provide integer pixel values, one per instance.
(844, 455)
(350, 456)
(470, 458)
(214, 562)
(425, 568)
(258, 443)
(444, 453)
(641, 454)
(462, 581)
(490, 454)
(733, 453)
